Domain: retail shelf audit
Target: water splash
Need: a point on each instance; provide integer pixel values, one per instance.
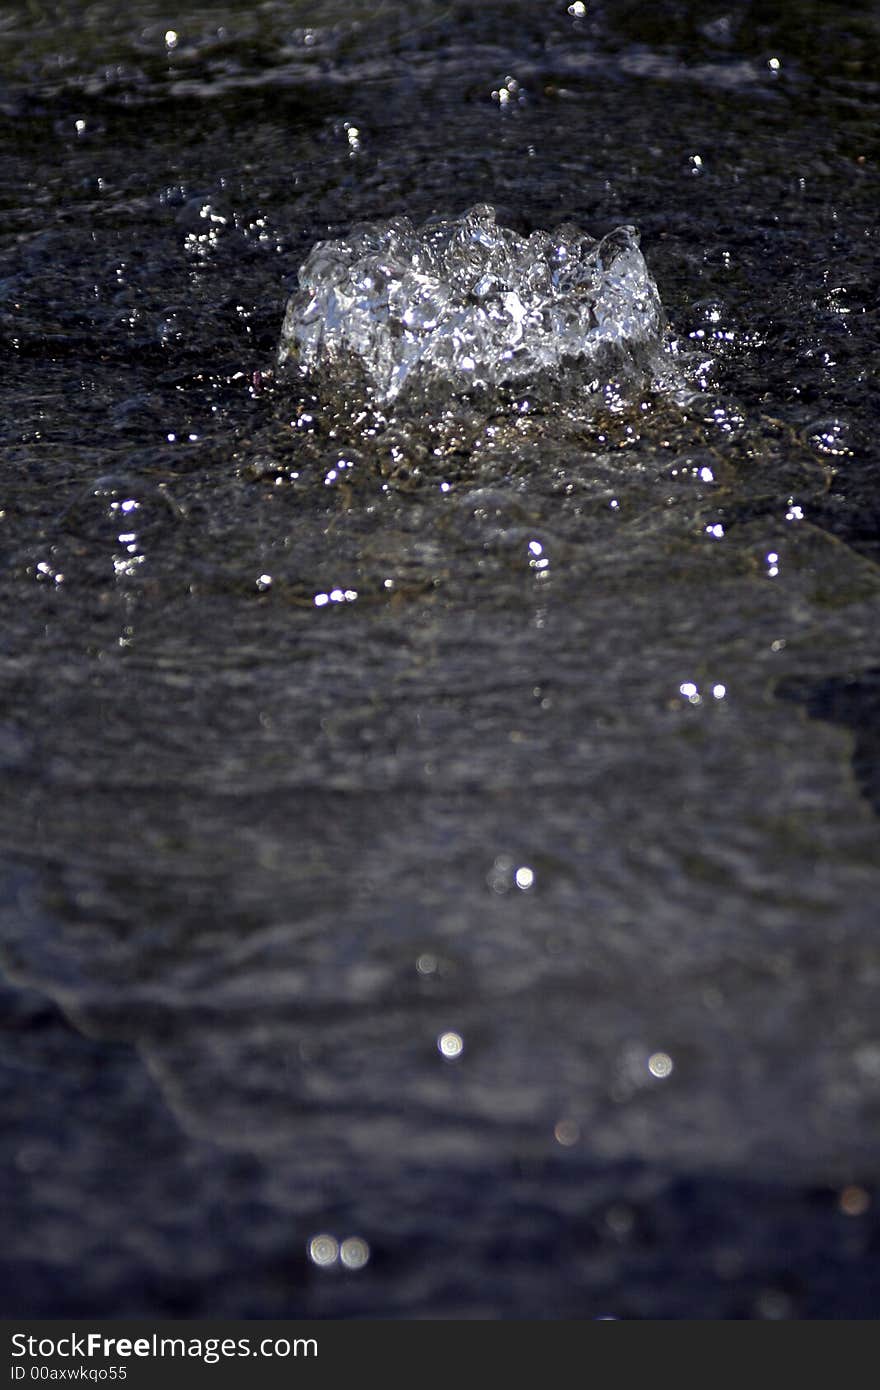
(463, 304)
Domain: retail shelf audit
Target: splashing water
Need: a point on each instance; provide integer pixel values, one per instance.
(464, 304)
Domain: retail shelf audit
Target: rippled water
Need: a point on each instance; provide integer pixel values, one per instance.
(455, 836)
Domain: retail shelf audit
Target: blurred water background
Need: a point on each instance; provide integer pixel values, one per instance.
(439, 856)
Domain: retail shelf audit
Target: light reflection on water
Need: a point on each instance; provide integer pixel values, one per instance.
(402, 837)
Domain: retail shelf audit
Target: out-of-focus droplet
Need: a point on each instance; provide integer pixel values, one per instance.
(660, 1064)
(566, 1132)
(451, 1045)
(354, 1252)
(854, 1201)
(323, 1250)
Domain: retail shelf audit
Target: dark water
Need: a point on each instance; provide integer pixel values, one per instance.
(609, 821)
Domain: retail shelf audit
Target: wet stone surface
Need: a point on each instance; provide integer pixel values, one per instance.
(438, 832)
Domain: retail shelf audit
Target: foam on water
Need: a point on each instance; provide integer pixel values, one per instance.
(463, 303)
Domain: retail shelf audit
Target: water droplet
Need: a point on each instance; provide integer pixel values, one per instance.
(567, 1133)
(323, 1250)
(451, 1045)
(660, 1064)
(354, 1252)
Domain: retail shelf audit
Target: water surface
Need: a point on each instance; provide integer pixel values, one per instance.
(333, 745)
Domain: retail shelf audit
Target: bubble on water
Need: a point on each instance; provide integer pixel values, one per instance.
(464, 303)
(109, 531)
